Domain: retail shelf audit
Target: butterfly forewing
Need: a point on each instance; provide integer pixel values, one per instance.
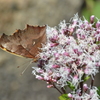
(24, 42)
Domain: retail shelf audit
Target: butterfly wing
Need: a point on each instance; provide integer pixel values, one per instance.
(24, 42)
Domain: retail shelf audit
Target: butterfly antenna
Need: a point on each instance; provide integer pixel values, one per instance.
(22, 64)
(26, 68)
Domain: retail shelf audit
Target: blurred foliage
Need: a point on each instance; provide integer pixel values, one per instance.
(92, 7)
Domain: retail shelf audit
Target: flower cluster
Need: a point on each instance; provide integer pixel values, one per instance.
(92, 95)
(70, 55)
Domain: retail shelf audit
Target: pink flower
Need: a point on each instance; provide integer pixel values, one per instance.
(71, 53)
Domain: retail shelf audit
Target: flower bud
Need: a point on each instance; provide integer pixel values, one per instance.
(55, 66)
(85, 87)
(49, 86)
(53, 44)
(98, 25)
(92, 18)
(70, 95)
(39, 77)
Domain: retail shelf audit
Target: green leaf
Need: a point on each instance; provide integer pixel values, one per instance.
(86, 78)
(71, 86)
(98, 42)
(98, 91)
(64, 97)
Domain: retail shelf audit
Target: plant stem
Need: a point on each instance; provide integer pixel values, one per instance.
(57, 88)
(81, 86)
(63, 90)
(92, 82)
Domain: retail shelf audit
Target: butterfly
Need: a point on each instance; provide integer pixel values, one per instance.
(24, 42)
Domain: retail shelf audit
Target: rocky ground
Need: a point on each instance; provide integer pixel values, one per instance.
(15, 14)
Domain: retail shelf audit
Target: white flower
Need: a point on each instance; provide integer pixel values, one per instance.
(72, 50)
(93, 94)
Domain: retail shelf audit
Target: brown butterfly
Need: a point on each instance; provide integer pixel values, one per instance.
(25, 42)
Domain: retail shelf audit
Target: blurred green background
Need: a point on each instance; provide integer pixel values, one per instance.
(91, 7)
(15, 14)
